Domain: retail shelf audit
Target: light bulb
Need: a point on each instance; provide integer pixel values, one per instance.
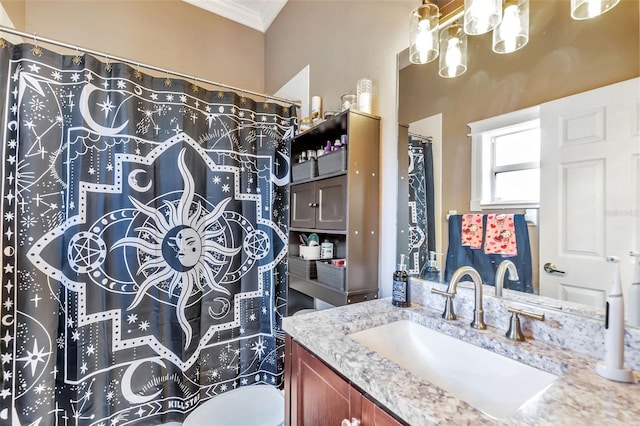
(482, 12)
(510, 28)
(424, 40)
(595, 7)
(481, 16)
(454, 56)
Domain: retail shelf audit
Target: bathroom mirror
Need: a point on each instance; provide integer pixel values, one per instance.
(563, 57)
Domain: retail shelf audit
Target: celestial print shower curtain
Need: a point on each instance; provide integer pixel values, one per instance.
(144, 227)
(421, 205)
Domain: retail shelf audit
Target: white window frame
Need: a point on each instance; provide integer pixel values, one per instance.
(482, 135)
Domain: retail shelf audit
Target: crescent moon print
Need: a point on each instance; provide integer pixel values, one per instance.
(133, 181)
(144, 243)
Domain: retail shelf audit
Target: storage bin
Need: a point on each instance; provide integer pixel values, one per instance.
(305, 170)
(310, 252)
(302, 267)
(332, 162)
(333, 276)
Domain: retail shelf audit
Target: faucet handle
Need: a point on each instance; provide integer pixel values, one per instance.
(515, 332)
(449, 313)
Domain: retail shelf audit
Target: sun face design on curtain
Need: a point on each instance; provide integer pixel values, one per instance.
(181, 249)
(145, 233)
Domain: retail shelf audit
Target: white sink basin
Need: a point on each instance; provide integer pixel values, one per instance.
(492, 383)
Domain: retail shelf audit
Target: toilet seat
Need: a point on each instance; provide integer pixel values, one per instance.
(256, 405)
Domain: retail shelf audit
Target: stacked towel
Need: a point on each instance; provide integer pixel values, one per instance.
(459, 254)
(500, 237)
(472, 230)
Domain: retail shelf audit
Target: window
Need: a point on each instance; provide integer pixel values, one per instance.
(505, 169)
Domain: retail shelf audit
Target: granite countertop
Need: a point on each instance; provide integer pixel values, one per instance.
(579, 397)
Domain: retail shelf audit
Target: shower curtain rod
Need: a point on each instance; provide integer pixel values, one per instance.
(37, 39)
(421, 137)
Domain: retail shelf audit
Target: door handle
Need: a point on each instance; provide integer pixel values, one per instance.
(552, 269)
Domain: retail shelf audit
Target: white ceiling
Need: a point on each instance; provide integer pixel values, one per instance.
(256, 14)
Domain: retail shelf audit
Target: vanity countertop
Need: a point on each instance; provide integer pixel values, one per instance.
(579, 397)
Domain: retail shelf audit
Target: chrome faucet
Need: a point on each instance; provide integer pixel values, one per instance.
(478, 313)
(505, 265)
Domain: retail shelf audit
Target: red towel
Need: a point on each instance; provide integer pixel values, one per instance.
(472, 230)
(500, 237)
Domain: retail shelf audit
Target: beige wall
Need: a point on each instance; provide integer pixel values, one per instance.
(343, 41)
(168, 34)
(15, 11)
(563, 57)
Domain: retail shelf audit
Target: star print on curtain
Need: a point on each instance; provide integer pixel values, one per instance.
(144, 235)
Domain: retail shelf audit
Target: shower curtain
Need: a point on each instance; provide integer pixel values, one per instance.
(421, 205)
(144, 227)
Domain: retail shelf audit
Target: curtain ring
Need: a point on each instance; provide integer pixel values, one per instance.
(194, 87)
(108, 66)
(36, 50)
(137, 73)
(77, 60)
(167, 80)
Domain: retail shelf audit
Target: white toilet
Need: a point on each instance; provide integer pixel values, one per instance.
(257, 405)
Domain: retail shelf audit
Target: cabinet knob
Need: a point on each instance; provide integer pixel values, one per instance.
(353, 422)
(313, 204)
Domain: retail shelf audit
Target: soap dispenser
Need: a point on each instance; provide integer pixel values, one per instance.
(612, 367)
(400, 292)
(432, 271)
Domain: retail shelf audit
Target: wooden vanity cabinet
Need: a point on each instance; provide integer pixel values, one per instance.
(318, 396)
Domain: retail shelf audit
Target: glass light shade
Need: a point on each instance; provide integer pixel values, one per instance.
(587, 9)
(424, 33)
(453, 51)
(513, 32)
(481, 16)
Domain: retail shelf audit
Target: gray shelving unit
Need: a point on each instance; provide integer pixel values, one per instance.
(341, 206)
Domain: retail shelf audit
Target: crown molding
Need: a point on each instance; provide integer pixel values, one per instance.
(256, 14)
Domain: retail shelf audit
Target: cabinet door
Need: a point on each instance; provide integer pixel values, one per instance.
(303, 205)
(332, 203)
(372, 415)
(322, 397)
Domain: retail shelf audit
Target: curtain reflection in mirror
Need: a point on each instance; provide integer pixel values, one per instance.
(421, 204)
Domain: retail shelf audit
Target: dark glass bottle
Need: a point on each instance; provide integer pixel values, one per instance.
(400, 295)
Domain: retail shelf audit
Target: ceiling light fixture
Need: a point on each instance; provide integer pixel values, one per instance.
(453, 51)
(424, 33)
(587, 9)
(513, 32)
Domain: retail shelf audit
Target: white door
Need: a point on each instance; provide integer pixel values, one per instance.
(589, 191)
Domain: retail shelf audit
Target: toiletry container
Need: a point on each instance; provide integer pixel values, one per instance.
(400, 292)
(432, 270)
(326, 250)
(365, 95)
(612, 367)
